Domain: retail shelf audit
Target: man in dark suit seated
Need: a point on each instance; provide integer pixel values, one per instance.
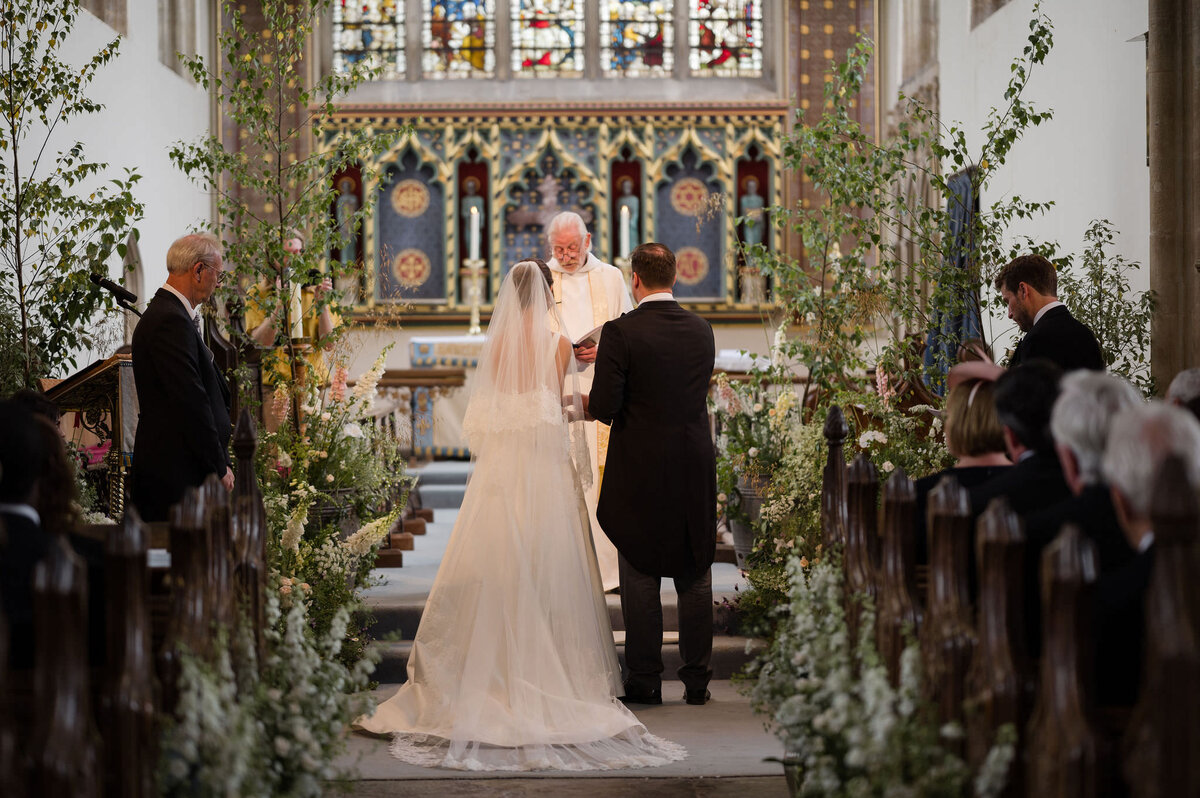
(23, 543)
(1080, 425)
(1029, 286)
(183, 426)
(1141, 439)
(1024, 398)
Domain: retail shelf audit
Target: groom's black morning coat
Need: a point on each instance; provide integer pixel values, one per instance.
(659, 494)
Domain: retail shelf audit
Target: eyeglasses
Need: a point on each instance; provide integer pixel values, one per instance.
(220, 273)
(571, 250)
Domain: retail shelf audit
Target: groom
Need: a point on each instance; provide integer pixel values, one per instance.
(658, 499)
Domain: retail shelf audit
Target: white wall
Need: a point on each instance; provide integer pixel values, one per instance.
(147, 108)
(1090, 159)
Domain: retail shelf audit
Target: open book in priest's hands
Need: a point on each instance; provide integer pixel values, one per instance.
(589, 338)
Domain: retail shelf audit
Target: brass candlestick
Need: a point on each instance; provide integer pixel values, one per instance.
(473, 270)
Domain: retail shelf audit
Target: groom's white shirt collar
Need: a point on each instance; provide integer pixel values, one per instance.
(661, 296)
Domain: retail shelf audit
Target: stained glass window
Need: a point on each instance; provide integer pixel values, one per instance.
(459, 39)
(370, 32)
(725, 37)
(635, 37)
(547, 38)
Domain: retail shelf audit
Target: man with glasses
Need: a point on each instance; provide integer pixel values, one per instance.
(588, 292)
(183, 425)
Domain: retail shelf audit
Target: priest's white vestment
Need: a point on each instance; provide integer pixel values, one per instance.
(587, 297)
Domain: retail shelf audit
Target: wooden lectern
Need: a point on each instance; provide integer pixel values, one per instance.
(106, 399)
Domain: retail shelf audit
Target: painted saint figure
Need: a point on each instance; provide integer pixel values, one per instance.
(751, 208)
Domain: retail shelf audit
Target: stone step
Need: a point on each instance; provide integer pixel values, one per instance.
(402, 616)
(730, 655)
(442, 496)
(443, 472)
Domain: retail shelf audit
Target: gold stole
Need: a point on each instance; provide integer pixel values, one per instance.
(599, 315)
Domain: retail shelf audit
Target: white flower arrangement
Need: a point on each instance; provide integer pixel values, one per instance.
(843, 725)
(277, 731)
(871, 436)
(368, 537)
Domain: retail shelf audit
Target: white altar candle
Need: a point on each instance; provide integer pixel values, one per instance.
(624, 232)
(296, 311)
(473, 246)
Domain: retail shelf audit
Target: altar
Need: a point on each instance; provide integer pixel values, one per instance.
(438, 410)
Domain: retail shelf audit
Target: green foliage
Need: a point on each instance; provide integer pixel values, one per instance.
(59, 219)
(278, 179)
(1101, 294)
(881, 264)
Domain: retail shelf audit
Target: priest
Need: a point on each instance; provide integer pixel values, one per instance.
(588, 293)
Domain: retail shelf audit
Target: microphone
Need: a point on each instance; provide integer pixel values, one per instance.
(122, 294)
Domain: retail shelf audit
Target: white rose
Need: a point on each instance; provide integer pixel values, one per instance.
(285, 460)
(326, 416)
(753, 451)
(887, 467)
(758, 407)
(721, 497)
(352, 430)
(329, 477)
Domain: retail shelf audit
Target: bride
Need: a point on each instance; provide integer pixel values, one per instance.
(513, 666)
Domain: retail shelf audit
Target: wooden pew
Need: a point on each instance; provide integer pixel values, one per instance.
(61, 755)
(833, 483)
(898, 611)
(1163, 741)
(1000, 680)
(130, 693)
(947, 635)
(1063, 745)
(861, 553)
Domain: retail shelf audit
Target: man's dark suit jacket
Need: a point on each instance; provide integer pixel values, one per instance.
(1062, 339)
(25, 545)
(659, 495)
(183, 429)
(968, 477)
(1121, 630)
(1031, 485)
(1093, 512)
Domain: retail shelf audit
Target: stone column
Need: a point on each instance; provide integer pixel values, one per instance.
(1173, 90)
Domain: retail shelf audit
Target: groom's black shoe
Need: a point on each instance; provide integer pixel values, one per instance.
(696, 697)
(642, 696)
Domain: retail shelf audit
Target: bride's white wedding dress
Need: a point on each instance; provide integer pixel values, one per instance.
(513, 666)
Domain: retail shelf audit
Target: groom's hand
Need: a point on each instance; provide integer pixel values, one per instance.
(585, 353)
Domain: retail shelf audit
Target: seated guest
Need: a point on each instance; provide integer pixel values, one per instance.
(976, 441)
(1142, 437)
(1184, 391)
(24, 544)
(1024, 397)
(1080, 424)
(56, 501)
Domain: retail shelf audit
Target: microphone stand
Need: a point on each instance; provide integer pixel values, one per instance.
(129, 307)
